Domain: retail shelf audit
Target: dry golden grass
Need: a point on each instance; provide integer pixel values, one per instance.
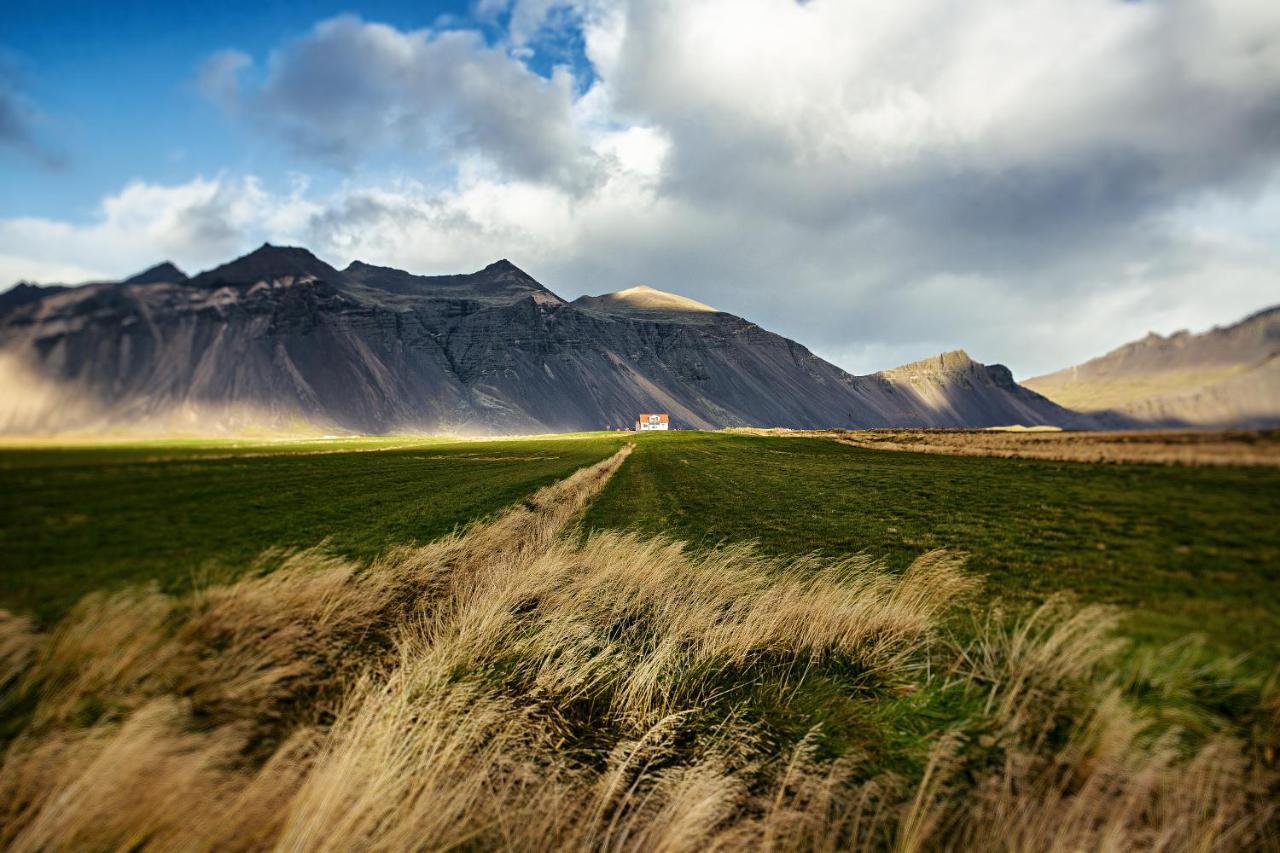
(517, 687)
(1117, 780)
(1160, 447)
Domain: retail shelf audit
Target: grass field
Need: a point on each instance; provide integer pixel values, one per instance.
(528, 684)
(79, 518)
(1182, 549)
(708, 697)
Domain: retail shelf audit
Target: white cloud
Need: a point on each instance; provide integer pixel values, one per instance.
(818, 107)
(218, 77)
(198, 223)
(349, 90)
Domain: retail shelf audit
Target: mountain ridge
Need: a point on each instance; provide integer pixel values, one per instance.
(165, 271)
(1226, 376)
(279, 337)
(267, 262)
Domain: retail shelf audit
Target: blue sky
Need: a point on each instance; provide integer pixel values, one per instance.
(115, 85)
(1034, 182)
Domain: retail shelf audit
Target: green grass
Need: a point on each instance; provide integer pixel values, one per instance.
(78, 518)
(1183, 550)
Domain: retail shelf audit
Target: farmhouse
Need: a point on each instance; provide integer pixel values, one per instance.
(647, 422)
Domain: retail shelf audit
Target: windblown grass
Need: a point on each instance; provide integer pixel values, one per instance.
(516, 686)
(1182, 550)
(76, 519)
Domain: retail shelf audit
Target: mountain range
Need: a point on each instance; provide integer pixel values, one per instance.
(1225, 377)
(280, 340)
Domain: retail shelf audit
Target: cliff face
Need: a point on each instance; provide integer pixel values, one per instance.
(281, 340)
(953, 390)
(1227, 376)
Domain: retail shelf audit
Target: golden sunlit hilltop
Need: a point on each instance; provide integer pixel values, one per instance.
(642, 297)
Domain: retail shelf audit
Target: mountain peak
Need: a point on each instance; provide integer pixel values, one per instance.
(24, 292)
(500, 280)
(165, 271)
(642, 297)
(269, 262)
(955, 357)
(951, 361)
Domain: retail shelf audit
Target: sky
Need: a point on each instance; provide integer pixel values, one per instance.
(1034, 182)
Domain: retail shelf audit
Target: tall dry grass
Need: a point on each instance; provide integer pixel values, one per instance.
(519, 687)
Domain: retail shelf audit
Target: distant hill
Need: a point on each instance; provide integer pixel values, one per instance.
(279, 339)
(1228, 376)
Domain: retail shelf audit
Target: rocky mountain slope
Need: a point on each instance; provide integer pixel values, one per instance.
(1228, 376)
(278, 339)
(24, 292)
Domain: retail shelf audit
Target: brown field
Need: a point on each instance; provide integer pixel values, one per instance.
(1162, 447)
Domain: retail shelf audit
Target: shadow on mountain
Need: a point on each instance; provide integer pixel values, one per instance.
(279, 339)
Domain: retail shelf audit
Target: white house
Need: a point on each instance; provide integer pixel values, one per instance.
(647, 422)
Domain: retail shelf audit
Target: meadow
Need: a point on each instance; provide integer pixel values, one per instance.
(679, 641)
(83, 517)
(1181, 549)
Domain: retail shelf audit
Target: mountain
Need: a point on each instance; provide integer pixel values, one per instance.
(502, 282)
(1228, 376)
(24, 292)
(279, 339)
(269, 263)
(953, 390)
(645, 301)
(161, 272)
